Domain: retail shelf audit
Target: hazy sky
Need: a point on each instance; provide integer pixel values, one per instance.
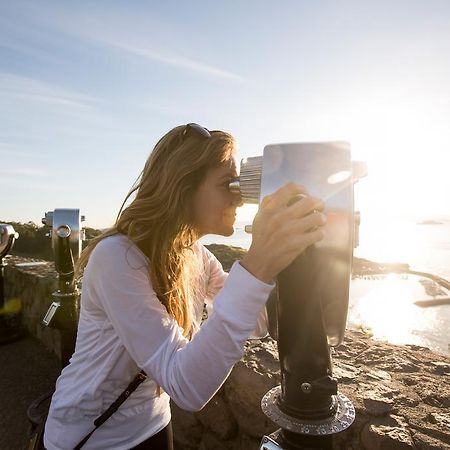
(87, 88)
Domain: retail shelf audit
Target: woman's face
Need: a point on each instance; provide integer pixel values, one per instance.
(214, 205)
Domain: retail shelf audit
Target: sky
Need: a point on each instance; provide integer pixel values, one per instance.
(87, 89)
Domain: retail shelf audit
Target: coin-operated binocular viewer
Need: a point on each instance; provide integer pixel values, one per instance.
(7, 237)
(66, 235)
(9, 323)
(310, 308)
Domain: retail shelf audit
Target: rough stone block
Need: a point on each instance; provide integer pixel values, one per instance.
(245, 389)
(382, 437)
(187, 430)
(217, 418)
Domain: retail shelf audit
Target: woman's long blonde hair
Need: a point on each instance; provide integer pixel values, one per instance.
(159, 219)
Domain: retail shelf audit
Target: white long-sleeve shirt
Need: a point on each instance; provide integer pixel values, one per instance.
(123, 328)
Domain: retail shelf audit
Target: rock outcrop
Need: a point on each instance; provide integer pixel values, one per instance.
(401, 396)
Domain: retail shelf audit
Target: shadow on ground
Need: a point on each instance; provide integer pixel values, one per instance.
(27, 370)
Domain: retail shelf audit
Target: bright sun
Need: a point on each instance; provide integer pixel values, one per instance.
(407, 153)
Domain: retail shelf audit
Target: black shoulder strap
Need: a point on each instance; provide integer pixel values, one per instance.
(138, 379)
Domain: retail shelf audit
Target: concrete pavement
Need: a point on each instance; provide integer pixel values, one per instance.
(27, 370)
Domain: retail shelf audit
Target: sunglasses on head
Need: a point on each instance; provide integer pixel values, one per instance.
(195, 128)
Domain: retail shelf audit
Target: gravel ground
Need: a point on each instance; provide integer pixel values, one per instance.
(27, 370)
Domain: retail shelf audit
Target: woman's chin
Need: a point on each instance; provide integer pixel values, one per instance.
(229, 232)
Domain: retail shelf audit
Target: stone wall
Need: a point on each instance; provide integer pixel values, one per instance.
(32, 282)
(401, 393)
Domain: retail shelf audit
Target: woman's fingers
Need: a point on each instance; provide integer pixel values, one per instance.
(295, 235)
(303, 207)
(281, 217)
(287, 222)
(306, 223)
(291, 200)
(301, 241)
(282, 196)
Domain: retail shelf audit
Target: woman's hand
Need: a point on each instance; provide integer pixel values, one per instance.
(282, 229)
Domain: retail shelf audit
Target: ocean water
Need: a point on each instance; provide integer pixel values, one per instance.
(385, 305)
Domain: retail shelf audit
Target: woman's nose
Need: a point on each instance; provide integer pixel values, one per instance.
(236, 199)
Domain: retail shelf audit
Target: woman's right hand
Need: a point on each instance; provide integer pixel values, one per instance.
(282, 229)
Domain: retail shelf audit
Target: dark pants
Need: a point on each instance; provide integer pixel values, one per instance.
(163, 440)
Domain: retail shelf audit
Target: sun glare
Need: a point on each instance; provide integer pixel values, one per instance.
(381, 309)
(246, 213)
(405, 147)
(386, 308)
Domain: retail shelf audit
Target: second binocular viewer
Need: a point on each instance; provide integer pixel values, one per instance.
(308, 311)
(67, 235)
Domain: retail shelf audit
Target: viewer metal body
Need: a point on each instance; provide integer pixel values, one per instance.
(308, 311)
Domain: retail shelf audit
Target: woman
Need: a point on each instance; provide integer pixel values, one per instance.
(145, 284)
